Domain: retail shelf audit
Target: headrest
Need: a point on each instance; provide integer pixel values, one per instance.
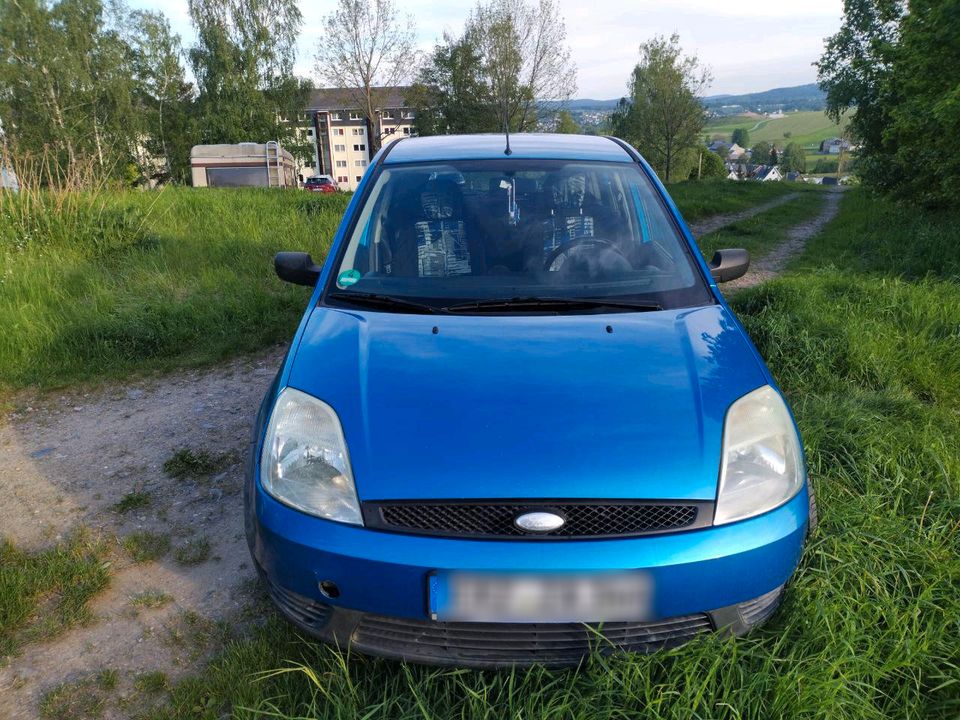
(440, 199)
(569, 191)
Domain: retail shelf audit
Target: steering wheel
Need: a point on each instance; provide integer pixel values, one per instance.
(602, 248)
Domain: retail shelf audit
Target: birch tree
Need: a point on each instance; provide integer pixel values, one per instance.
(367, 48)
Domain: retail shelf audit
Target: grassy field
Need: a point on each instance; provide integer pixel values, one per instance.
(98, 286)
(806, 127)
(95, 286)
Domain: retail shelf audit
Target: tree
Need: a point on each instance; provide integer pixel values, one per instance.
(525, 58)
(760, 153)
(794, 158)
(741, 137)
(709, 165)
(243, 64)
(774, 158)
(887, 68)
(451, 94)
(926, 112)
(367, 48)
(566, 124)
(65, 87)
(510, 66)
(663, 116)
(856, 71)
(163, 98)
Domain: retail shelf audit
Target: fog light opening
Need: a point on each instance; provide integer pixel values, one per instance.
(329, 589)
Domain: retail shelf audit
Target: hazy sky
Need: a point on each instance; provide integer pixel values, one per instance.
(750, 44)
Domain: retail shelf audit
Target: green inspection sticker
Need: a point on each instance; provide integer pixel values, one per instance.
(348, 278)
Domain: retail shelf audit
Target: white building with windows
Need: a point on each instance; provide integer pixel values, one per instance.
(338, 133)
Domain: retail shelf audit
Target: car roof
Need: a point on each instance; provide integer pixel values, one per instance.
(544, 146)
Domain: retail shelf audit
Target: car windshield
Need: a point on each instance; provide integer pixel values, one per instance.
(520, 231)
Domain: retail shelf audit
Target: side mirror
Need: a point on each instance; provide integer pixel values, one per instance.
(729, 264)
(297, 268)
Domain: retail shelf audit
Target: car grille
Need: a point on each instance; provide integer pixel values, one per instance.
(496, 519)
(507, 643)
(757, 611)
(302, 609)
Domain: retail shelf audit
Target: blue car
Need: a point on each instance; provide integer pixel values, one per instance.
(518, 423)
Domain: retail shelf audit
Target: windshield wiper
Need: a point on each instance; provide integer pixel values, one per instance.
(553, 303)
(387, 302)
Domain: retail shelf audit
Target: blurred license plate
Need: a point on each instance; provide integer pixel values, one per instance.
(489, 597)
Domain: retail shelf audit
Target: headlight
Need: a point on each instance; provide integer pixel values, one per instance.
(304, 461)
(761, 466)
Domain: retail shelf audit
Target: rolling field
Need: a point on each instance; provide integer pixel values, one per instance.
(807, 128)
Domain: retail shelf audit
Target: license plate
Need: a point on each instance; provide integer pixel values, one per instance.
(522, 598)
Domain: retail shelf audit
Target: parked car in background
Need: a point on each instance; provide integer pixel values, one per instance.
(518, 421)
(321, 184)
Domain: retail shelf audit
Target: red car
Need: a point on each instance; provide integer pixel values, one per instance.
(320, 184)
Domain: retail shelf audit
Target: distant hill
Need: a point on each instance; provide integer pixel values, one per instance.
(798, 97)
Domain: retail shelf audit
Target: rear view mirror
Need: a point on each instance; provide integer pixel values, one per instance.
(297, 268)
(729, 264)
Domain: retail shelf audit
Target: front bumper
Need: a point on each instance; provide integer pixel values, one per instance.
(501, 645)
(709, 575)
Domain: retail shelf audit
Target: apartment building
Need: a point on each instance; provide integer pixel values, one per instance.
(339, 133)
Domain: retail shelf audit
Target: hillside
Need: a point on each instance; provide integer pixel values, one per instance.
(806, 127)
(798, 97)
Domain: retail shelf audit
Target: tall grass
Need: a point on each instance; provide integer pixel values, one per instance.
(871, 621)
(102, 283)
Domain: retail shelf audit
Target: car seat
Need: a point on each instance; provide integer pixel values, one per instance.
(432, 240)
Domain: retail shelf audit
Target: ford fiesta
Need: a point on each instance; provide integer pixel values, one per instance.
(518, 423)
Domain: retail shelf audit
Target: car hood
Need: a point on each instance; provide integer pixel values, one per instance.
(626, 405)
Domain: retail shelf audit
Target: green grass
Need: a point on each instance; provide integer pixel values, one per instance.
(187, 464)
(135, 500)
(44, 593)
(193, 552)
(79, 700)
(151, 682)
(145, 546)
(863, 336)
(763, 232)
(698, 199)
(808, 127)
(101, 285)
(150, 599)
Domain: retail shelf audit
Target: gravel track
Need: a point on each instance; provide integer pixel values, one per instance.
(715, 222)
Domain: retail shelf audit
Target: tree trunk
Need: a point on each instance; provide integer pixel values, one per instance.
(58, 116)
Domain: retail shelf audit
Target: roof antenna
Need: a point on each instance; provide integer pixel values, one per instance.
(506, 131)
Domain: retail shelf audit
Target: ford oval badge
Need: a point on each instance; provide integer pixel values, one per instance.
(539, 522)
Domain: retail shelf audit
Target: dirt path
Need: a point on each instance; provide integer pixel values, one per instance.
(69, 457)
(715, 222)
(773, 263)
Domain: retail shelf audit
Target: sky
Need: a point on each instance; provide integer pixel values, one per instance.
(750, 45)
